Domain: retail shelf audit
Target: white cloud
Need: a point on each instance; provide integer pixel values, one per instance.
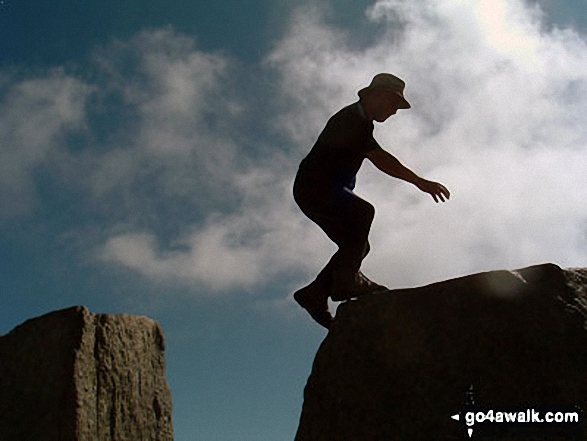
(35, 114)
(181, 101)
(263, 238)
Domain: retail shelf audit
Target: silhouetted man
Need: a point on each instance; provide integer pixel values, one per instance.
(323, 190)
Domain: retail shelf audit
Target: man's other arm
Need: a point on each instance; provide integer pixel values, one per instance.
(390, 165)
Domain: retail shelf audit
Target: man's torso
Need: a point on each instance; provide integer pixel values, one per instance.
(337, 155)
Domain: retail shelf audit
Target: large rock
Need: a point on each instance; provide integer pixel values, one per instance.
(72, 375)
(397, 365)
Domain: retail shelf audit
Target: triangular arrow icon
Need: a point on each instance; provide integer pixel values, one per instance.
(470, 432)
(456, 417)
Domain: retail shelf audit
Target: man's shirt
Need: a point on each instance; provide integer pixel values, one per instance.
(337, 155)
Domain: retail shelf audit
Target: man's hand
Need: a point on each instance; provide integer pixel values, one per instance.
(435, 189)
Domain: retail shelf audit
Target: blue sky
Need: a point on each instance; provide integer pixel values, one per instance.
(147, 151)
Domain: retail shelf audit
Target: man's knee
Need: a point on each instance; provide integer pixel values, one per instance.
(371, 213)
(363, 219)
(356, 240)
(366, 212)
(367, 249)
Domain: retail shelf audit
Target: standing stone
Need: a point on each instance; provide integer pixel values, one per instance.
(71, 375)
(397, 365)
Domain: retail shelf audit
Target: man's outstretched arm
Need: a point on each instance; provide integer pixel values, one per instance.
(390, 165)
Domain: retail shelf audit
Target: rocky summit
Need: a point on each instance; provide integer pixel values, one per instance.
(71, 375)
(455, 360)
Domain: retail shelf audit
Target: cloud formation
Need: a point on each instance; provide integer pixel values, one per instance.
(35, 115)
(153, 141)
(160, 143)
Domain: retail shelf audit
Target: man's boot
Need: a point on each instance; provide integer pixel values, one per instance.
(314, 299)
(361, 287)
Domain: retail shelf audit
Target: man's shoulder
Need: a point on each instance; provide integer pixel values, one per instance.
(352, 110)
(350, 115)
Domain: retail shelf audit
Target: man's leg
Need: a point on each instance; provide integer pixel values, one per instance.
(353, 248)
(314, 299)
(346, 219)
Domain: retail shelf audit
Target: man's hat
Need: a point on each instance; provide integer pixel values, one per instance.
(389, 82)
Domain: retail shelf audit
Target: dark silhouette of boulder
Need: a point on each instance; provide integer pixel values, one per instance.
(397, 365)
(73, 375)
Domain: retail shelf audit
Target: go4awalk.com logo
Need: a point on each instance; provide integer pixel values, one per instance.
(509, 421)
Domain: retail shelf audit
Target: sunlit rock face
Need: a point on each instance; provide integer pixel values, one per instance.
(72, 375)
(406, 364)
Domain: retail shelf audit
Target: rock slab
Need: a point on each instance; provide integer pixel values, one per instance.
(71, 375)
(397, 365)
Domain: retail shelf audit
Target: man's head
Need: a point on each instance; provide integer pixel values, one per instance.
(383, 97)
